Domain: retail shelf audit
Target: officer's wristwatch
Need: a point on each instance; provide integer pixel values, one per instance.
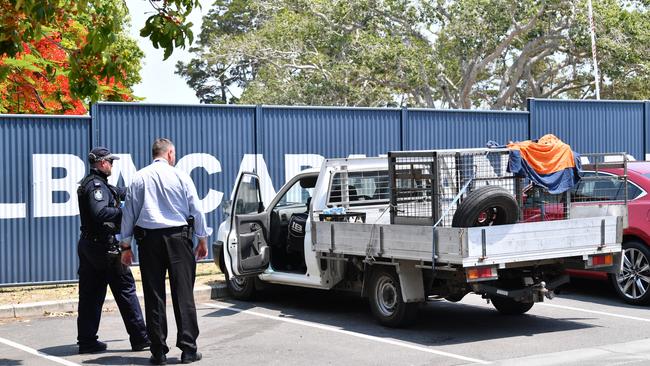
(125, 247)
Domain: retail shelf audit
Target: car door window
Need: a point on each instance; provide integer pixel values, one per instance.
(249, 199)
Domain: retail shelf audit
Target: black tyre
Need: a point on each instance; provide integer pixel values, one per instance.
(240, 288)
(632, 284)
(386, 302)
(509, 306)
(486, 206)
(455, 297)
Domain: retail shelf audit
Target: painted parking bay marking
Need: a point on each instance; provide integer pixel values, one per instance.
(347, 332)
(595, 312)
(37, 353)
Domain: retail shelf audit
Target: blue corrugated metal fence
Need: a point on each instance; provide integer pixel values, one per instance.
(45, 155)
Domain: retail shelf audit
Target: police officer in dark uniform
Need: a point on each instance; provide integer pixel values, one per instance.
(99, 258)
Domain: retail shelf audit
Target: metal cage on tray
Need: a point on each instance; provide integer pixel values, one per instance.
(430, 187)
(427, 186)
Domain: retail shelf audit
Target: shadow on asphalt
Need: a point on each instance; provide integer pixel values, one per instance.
(73, 349)
(10, 362)
(121, 360)
(438, 323)
(594, 291)
(99, 358)
(61, 351)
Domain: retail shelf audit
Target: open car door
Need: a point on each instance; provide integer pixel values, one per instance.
(251, 254)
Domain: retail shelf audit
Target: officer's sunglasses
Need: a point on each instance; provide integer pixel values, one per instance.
(109, 161)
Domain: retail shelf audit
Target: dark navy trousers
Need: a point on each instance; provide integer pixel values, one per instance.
(160, 252)
(96, 271)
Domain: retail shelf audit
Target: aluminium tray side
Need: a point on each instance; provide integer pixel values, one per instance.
(469, 246)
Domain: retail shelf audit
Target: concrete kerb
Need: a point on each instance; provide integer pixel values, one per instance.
(201, 293)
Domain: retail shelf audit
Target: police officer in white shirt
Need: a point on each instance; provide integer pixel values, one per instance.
(161, 211)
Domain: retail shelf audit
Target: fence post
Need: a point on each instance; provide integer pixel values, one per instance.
(402, 125)
(94, 116)
(256, 127)
(531, 115)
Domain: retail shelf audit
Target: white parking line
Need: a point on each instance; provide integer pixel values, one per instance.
(37, 353)
(594, 312)
(347, 332)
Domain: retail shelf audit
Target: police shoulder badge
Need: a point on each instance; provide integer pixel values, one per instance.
(98, 194)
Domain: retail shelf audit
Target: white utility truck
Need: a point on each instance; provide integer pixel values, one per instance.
(412, 226)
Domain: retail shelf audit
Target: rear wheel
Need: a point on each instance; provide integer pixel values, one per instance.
(509, 306)
(386, 300)
(632, 284)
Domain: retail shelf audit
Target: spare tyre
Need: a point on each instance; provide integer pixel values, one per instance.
(486, 206)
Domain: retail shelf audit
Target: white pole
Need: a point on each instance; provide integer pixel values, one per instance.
(592, 28)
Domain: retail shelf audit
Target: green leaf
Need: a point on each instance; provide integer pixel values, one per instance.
(168, 52)
(22, 64)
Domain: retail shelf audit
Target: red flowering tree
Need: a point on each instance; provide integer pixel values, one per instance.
(58, 55)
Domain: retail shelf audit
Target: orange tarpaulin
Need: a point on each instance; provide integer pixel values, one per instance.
(546, 156)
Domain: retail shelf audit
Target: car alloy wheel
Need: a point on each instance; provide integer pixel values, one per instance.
(634, 279)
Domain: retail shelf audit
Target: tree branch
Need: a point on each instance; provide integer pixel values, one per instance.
(469, 79)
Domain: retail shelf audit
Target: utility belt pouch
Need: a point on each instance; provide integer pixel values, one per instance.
(190, 227)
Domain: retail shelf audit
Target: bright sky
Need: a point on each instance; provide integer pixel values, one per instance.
(159, 83)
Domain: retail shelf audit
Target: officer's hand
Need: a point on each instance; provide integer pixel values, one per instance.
(201, 250)
(127, 257)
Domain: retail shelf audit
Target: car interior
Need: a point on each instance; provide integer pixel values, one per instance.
(287, 227)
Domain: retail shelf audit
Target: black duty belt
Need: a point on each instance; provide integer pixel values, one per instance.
(106, 238)
(140, 233)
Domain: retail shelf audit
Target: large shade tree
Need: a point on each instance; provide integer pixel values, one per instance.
(459, 54)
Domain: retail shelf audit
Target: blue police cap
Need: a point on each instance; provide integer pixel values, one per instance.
(101, 153)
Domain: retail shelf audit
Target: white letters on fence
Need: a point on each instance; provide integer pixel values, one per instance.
(45, 184)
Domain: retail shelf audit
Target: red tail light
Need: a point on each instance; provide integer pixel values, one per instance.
(481, 274)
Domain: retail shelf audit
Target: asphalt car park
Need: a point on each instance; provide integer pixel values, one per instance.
(586, 324)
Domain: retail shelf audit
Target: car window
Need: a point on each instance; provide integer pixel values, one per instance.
(362, 187)
(296, 195)
(536, 195)
(248, 199)
(604, 187)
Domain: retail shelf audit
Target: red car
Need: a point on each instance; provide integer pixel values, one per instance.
(633, 282)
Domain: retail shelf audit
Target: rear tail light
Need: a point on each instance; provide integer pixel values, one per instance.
(476, 274)
(602, 260)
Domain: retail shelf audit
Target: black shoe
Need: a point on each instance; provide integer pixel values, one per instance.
(158, 360)
(92, 348)
(189, 357)
(140, 346)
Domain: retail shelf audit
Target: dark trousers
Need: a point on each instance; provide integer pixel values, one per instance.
(96, 271)
(163, 250)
